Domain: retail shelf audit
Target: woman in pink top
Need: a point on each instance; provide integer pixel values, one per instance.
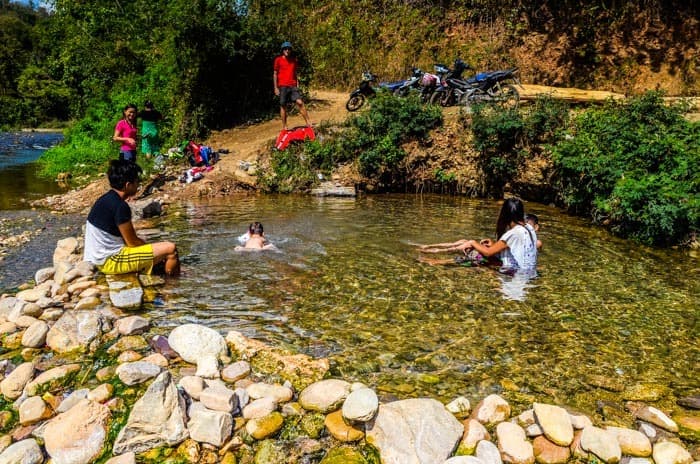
(125, 132)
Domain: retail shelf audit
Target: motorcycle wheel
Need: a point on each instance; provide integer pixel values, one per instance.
(477, 97)
(401, 92)
(508, 97)
(355, 102)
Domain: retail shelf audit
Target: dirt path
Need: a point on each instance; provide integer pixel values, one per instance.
(245, 142)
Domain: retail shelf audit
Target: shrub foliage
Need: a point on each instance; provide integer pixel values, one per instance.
(633, 165)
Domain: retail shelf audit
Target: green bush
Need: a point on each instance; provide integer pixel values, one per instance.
(633, 165)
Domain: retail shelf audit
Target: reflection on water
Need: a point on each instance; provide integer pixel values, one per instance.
(347, 284)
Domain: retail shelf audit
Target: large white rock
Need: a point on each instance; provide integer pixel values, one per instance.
(78, 435)
(159, 418)
(23, 452)
(555, 423)
(133, 373)
(35, 335)
(193, 342)
(279, 393)
(414, 431)
(656, 417)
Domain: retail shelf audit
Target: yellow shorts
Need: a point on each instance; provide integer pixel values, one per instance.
(130, 259)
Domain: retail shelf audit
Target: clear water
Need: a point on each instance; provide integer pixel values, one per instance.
(19, 182)
(346, 283)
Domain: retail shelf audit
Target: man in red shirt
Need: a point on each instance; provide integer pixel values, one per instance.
(284, 78)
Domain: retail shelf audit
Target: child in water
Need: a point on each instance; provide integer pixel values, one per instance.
(255, 239)
(533, 222)
(516, 246)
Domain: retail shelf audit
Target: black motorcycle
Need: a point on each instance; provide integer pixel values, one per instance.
(360, 94)
(489, 87)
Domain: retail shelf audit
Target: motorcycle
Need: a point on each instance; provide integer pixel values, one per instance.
(360, 94)
(489, 87)
(367, 90)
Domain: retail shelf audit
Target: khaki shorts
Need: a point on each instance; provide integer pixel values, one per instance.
(130, 259)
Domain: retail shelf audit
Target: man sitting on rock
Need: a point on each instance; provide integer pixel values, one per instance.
(111, 242)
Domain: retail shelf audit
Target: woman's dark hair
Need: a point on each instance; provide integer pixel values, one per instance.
(129, 106)
(255, 228)
(122, 171)
(511, 211)
(148, 105)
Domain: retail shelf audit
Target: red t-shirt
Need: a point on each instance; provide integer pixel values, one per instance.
(286, 71)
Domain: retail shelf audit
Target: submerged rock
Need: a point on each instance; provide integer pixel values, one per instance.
(125, 291)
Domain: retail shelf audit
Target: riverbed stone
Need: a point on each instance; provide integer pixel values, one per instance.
(8, 327)
(22, 452)
(668, 452)
(13, 385)
(361, 405)
(645, 392)
(192, 385)
(491, 410)
(134, 373)
(414, 431)
(279, 393)
(157, 359)
(688, 427)
(464, 460)
(263, 427)
(128, 342)
(325, 395)
(33, 410)
(88, 302)
(129, 356)
(513, 444)
(208, 426)
(341, 430)
(75, 331)
(52, 380)
(78, 435)
(632, 442)
(236, 371)
(101, 393)
(24, 321)
(132, 325)
(299, 369)
(259, 408)
(159, 418)
(200, 345)
(579, 421)
(474, 432)
(71, 400)
(79, 286)
(125, 291)
(654, 416)
(691, 401)
(126, 458)
(601, 443)
(33, 294)
(61, 269)
(65, 247)
(488, 453)
(555, 423)
(460, 407)
(35, 335)
(219, 399)
(547, 452)
(43, 274)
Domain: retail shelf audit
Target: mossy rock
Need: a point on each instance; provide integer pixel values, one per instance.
(464, 450)
(269, 452)
(313, 424)
(343, 455)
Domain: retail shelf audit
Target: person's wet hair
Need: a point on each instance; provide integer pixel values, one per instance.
(512, 210)
(122, 171)
(255, 228)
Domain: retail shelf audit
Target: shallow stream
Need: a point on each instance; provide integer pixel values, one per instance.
(346, 283)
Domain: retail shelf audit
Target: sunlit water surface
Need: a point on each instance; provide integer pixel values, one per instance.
(346, 284)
